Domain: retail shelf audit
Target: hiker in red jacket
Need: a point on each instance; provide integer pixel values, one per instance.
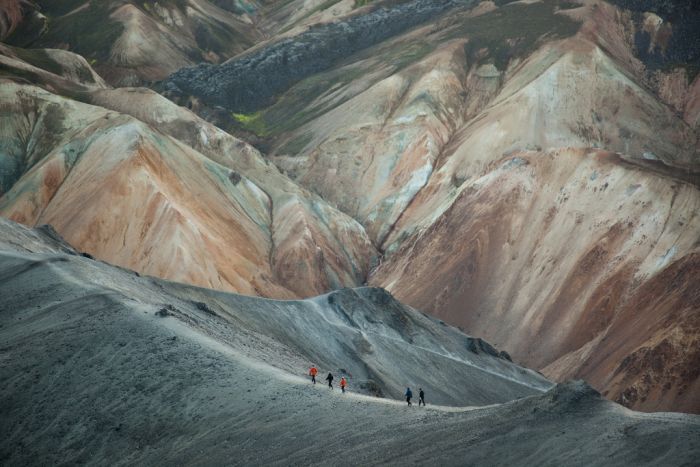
(343, 383)
(313, 372)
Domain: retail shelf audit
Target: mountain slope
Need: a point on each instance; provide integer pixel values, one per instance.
(229, 220)
(377, 341)
(527, 171)
(543, 213)
(588, 243)
(157, 371)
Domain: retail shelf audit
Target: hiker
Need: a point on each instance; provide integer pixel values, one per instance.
(329, 378)
(343, 383)
(421, 397)
(313, 372)
(408, 395)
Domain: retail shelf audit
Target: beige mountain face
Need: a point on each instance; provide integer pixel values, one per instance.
(540, 259)
(524, 170)
(164, 193)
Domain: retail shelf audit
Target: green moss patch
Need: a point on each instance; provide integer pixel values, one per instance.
(254, 123)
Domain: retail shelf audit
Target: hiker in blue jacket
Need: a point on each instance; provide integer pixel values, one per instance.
(408, 395)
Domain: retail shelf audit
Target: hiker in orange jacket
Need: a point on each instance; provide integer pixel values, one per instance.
(343, 383)
(313, 372)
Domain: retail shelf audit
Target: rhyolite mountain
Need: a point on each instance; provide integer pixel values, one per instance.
(527, 171)
(151, 187)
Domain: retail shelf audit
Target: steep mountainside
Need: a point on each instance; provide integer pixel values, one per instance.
(136, 370)
(528, 170)
(152, 187)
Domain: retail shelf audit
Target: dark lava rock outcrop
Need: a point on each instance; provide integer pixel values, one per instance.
(248, 83)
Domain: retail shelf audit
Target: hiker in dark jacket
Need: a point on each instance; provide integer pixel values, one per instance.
(408, 395)
(421, 397)
(329, 378)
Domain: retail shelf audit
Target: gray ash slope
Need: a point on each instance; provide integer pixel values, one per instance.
(100, 365)
(249, 82)
(381, 344)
